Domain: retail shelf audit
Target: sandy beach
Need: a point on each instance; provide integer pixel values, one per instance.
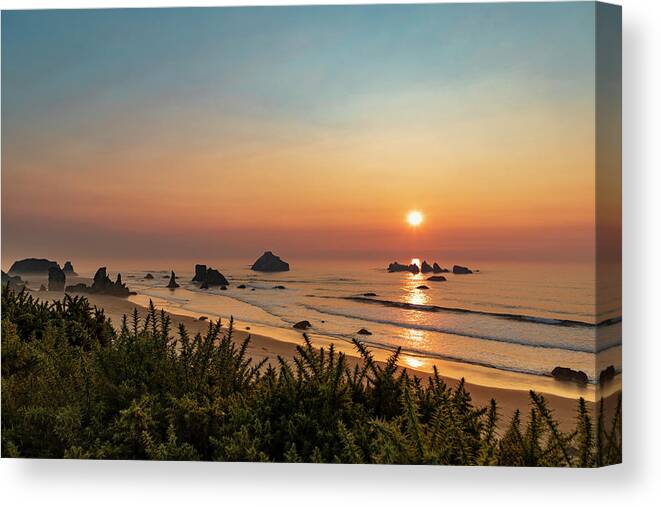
(482, 385)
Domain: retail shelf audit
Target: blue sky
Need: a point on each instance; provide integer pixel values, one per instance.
(117, 112)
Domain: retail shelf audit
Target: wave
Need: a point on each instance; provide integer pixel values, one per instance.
(510, 316)
(448, 357)
(463, 334)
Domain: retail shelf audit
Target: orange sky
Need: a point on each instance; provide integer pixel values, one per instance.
(319, 153)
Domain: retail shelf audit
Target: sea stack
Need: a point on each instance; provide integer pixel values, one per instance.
(173, 281)
(32, 267)
(438, 269)
(56, 279)
(396, 267)
(209, 277)
(271, 263)
(568, 374)
(68, 269)
(102, 285)
(214, 277)
(426, 268)
(461, 270)
(200, 272)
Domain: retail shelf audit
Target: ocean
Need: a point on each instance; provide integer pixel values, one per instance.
(526, 318)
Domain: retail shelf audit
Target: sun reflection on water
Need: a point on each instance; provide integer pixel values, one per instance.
(414, 362)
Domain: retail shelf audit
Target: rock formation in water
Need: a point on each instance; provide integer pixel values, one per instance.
(270, 263)
(364, 331)
(172, 284)
(436, 278)
(57, 280)
(422, 287)
(304, 324)
(14, 282)
(32, 267)
(68, 269)
(438, 269)
(149, 276)
(103, 285)
(208, 277)
(396, 267)
(561, 373)
(213, 278)
(200, 272)
(461, 270)
(426, 268)
(607, 374)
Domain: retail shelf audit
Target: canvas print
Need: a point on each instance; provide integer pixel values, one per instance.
(384, 234)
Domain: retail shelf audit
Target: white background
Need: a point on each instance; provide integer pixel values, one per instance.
(636, 482)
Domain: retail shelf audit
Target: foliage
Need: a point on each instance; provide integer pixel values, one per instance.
(74, 387)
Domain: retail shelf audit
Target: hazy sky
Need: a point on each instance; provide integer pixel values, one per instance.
(189, 133)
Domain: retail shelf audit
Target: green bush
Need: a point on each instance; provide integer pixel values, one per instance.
(74, 387)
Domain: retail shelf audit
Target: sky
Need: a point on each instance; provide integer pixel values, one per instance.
(311, 131)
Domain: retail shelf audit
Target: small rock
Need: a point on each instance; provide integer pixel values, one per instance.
(607, 374)
(42, 288)
(561, 373)
(223, 287)
(364, 331)
(203, 317)
(437, 278)
(279, 287)
(304, 324)
(149, 276)
(422, 287)
(369, 294)
(172, 284)
(461, 270)
(242, 286)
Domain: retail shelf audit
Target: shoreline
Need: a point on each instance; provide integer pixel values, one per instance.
(505, 387)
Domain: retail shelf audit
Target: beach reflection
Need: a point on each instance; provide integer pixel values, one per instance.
(413, 295)
(414, 362)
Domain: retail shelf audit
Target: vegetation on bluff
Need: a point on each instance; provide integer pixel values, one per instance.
(75, 387)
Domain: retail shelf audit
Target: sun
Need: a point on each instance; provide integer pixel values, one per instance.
(414, 218)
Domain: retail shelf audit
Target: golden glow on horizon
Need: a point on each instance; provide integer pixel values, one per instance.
(414, 218)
